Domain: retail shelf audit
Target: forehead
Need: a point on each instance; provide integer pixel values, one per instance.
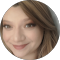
(14, 14)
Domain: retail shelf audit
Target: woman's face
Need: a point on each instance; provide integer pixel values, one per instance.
(20, 33)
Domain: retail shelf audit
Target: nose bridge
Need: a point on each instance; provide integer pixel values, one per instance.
(18, 34)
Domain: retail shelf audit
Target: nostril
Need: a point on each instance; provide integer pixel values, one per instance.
(19, 38)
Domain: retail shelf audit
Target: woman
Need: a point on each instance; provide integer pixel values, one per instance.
(28, 30)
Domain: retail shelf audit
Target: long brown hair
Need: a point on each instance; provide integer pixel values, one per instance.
(40, 14)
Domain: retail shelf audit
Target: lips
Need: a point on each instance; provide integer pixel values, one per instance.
(19, 47)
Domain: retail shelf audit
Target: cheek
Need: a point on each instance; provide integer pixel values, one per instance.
(35, 35)
(35, 38)
(6, 35)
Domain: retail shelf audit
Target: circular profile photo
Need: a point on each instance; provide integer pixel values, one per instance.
(28, 30)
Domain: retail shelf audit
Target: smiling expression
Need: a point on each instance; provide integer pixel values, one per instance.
(20, 33)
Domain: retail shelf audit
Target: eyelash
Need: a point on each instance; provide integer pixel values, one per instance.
(27, 25)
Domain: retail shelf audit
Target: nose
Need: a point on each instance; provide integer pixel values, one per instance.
(18, 35)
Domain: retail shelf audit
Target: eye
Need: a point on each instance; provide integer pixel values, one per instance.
(30, 25)
(6, 26)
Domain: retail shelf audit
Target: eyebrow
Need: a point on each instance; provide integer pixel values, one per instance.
(11, 22)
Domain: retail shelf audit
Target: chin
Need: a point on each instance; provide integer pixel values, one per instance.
(19, 55)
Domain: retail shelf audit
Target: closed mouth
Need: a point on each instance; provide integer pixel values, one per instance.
(19, 47)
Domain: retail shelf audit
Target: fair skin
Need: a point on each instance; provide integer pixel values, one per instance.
(17, 31)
